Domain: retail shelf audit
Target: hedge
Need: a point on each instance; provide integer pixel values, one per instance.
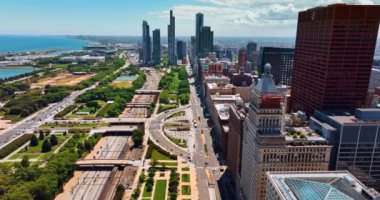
(15, 144)
(65, 111)
(159, 149)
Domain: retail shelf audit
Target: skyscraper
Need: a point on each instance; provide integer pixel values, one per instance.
(265, 148)
(181, 49)
(198, 28)
(147, 52)
(281, 60)
(171, 40)
(333, 57)
(251, 48)
(156, 55)
(206, 41)
(242, 57)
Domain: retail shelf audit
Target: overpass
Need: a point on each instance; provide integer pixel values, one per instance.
(138, 105)
(115, 129)
(154, 92)
(107, 163)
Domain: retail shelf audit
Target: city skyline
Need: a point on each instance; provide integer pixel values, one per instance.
(251, 18)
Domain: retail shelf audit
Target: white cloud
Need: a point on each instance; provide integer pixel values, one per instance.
(249, 17)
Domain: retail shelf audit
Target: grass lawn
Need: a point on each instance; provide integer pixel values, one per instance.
(160, 190)
(177, 114)
(165, 107)
(167, 163)
(159, 156)
(21, 155)
(37, 149)
(13, 118)
(90, 125)
(186, 169)
(146, 193)
(122, 84)
(186, 190)
(178, 142)
(185, 177)
(87, 109)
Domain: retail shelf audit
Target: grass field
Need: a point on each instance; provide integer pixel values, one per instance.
(122, 84)
(159, 156)
(186, 190)
(62, 79)
(167, 163)
(146, 193)
(185, 177)
(165, 107)
(160, 190)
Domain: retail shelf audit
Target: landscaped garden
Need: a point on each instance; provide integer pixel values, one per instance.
(160, 190)
(175, 89)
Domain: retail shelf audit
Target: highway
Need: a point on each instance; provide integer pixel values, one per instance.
(30, 123)
(91, 183)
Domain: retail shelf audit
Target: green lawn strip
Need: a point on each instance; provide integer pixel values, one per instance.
(71, 125)
(186, 190)
(165, 107)
(146, 193)
(20, 155)
(185, 177)
(159, 156)
(160, 190)
(186, 169)
(167, 163)
(177, 114)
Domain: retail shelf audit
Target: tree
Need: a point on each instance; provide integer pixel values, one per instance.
(154, 162)
(53, 140)
(119, 192)
(25, 161)
(138, 136)
(34, 141)
(41, 136)
(47, 132)
(64, 133)
(46, 146)
(87, 145)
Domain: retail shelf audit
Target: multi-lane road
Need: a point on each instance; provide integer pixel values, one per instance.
(30, 123)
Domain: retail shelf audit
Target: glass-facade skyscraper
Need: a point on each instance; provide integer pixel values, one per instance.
(146, 43)
(171, 40)
(156, 55)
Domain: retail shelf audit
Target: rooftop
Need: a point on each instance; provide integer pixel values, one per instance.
(321, 185)
(225, 97)
(223, 111)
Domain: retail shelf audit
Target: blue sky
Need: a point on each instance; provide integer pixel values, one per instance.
(124, 17)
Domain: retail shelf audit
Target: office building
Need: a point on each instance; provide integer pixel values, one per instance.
(327, 185)
(156, 54)
(146, 42)
(356, 140)
(198, 29)
(266, 148)
(181, 49)
(238, 114)
(242, 58)
(333, 57)
(192, 48)
(206, 41)
(171, 40)
(281, 60)
(251, 49)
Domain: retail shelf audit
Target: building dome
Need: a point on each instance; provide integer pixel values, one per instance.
(267, 68)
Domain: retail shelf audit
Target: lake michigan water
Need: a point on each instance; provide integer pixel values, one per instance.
(21, 43)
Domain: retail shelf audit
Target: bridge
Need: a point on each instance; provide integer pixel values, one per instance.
(148, 91)
(107, 163)
(138, 105)
(115, 129)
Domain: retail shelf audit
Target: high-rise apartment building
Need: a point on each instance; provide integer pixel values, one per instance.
(266, 148)
(251, 48)
(333, 56)
(281, 60)
(198, 28)
(181, 49)
(156, 55)
(356, 142)
(207, 41)
(171, 40)
(146, 42)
